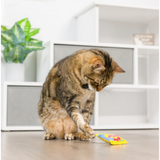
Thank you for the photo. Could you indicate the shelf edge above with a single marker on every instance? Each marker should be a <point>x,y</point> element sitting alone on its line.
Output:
<point>132,86</point>
<point>98,3</point>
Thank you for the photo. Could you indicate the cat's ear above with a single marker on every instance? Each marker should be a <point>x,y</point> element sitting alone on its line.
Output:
<point>117,68</point>
<point>98,66</point>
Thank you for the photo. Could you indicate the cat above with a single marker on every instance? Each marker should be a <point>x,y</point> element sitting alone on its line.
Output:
<point>67,98</point>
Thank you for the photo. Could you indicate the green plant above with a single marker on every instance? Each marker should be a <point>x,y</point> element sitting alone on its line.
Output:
<point>17,41</point>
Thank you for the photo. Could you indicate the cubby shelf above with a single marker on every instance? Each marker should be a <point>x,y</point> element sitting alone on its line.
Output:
<point>110,23</point>
<point>118,106</point>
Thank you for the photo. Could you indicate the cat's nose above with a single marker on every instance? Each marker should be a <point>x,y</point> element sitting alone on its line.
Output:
<point>99,88</point>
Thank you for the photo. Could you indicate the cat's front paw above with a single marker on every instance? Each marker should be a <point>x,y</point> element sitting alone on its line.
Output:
<point>89,131</point>
<point>48,136</point>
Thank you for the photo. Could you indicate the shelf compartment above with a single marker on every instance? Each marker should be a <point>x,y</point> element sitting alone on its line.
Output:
<point>128,13</point>
<point>111,31</point>
<point>120,55</point>
<point>148,67</point>
<point>116,24</point>
<point>20,106</point>
<point>128,106</point>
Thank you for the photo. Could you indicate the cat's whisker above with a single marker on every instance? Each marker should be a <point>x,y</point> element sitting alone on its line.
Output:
<point>107,93</point>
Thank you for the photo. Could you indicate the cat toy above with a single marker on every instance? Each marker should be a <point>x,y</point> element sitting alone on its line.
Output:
<point>111,138</point>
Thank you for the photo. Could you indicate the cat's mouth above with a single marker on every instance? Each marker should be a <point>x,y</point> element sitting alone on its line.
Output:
<point>95,88</point>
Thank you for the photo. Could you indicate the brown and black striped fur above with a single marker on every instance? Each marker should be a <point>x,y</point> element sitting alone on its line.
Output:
<point>68,94</point>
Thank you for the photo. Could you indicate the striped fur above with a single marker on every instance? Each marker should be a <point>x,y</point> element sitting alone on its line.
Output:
<point>66,104</point>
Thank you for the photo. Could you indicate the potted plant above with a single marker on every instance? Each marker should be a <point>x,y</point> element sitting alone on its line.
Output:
<point>18,44</point>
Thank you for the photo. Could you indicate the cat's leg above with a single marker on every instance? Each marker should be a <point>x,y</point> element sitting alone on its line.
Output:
<point>91,109</point>
<point>70,128</point>
<point>51,116</point>
<point>87,112</point>
<point>73,110</point>
<point>48,136</point>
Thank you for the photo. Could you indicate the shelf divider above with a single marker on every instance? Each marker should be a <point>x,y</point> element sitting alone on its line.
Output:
<point>135,68</point>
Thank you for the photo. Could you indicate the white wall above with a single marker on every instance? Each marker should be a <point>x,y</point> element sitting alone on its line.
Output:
<point>54,17</point>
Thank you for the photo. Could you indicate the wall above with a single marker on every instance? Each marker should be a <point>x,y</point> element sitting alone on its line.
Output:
<point>54,17</point>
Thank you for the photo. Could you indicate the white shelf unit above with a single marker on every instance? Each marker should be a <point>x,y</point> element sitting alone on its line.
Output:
<point>109,23</point>
<point>130,106</point>
<point>115,24</point>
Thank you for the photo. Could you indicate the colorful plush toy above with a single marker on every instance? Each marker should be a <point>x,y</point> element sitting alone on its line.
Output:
<point>111,138</point>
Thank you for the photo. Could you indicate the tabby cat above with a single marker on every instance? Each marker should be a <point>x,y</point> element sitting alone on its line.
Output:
<point>68,94</point>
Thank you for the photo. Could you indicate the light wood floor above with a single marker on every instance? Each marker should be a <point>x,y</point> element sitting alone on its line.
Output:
<point>143,145</point>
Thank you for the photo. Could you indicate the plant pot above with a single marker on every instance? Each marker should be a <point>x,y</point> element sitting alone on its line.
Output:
<point>14,72</point>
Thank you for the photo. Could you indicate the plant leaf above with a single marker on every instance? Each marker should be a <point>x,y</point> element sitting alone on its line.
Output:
<point>8,37</point>
<point>32,32</point>
<point>25,25</point>
<point>16,54</point>
<point>19,33</point>
<point>32,46</point>
<point>36,41</point>
<point>8,48</point>
<point>3,28</point>
<point>29,47</point>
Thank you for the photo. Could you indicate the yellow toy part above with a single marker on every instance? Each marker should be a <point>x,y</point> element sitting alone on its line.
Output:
<point>111,138</point>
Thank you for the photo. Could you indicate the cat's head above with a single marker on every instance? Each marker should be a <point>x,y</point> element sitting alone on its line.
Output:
<point>98,69</point>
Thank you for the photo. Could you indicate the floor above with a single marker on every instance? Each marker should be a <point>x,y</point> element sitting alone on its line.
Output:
<point>143,145</point>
